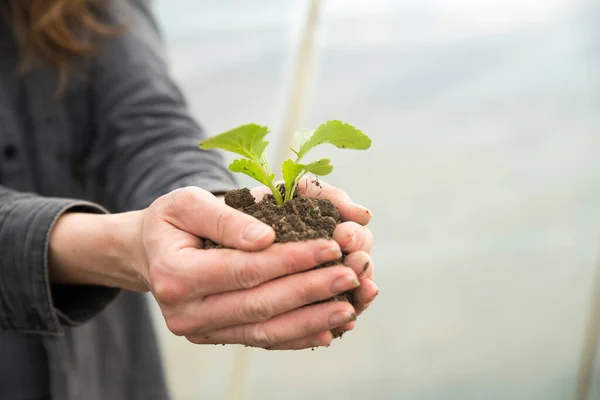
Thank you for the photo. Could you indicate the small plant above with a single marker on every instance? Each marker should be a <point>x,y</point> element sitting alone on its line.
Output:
<point>249,141</point>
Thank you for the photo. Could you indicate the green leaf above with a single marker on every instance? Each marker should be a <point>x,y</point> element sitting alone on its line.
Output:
<point>290,171</point>
<point>337,133</point>
<point>246,140</point>
<point>320,168</point>
<point>251,169</point>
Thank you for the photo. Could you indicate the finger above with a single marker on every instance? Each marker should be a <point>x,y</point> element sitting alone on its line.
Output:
<point>271,299</point>
<point>205,272</point>
<point>322,339</point>
<point>353,237</point>
<point>349,211</point>
<point>200,213</point>
<point>259,192</point>
<point>337,333</point>
<point>365,295</point>
<point>361,263</point>
<point>288,327</point>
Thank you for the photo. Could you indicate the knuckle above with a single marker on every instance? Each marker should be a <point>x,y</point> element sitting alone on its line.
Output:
<point>305,293</point>
<point>182,199</point>
<point>177,326</point>
<point>161,202</point>
<point>224,221</point>
<point>306,329</point>
<point>256,308</point>
<point>167,286</point>
<point>247,273</point>
<point>168,291</point>
<point>261,337</point>
<point>202,326</point>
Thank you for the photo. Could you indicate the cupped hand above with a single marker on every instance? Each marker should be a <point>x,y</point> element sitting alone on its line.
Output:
<point>254,292</point>
<point>353,237</point>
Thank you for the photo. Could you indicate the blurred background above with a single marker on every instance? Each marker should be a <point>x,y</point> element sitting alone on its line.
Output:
<point>484,181</point>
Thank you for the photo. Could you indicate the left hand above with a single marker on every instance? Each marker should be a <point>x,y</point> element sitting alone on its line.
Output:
<point>355,240</point>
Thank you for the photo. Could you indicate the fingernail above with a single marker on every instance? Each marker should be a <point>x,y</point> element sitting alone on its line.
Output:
<point>341,318</point>
<point>365,269</point>
<point>329,253</point>
<point>360,207</point>
<point>255,232</point>
<point>344,283</point>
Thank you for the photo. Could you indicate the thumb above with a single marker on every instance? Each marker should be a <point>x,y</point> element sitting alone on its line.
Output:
<point>200,213</point>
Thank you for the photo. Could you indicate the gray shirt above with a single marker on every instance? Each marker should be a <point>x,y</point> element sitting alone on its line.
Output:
<point>118,138</point>
<point>24,369</point>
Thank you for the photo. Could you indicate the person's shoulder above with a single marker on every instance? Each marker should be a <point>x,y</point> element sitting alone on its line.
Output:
<point>127,11</point>
<point>138,20</point>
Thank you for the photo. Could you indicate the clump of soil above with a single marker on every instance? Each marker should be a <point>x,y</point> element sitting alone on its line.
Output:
<point>301,218</point>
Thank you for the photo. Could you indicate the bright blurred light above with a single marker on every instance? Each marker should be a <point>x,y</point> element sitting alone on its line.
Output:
<point>435,21</point>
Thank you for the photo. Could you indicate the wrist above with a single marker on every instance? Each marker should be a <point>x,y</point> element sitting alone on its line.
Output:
<point>96,250</point>
<point>127,249</point>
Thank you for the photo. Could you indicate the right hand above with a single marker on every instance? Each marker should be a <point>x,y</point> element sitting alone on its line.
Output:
<point>252,293</point>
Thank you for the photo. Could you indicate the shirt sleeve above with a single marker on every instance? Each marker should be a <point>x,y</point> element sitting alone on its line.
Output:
<point>147,142</point>
<point>28,302</point>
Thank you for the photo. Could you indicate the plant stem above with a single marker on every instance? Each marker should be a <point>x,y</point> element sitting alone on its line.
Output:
<point>264,165</point>
<point>276,193</point>
<point>290,191</point>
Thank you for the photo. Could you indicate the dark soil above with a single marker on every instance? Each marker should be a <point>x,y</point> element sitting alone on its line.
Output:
<point>302,218</point>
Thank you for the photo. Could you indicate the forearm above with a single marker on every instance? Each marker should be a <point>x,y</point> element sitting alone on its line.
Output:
<point>88,249</point>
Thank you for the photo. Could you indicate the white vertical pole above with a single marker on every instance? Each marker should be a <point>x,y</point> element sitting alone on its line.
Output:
<point>294,113</point>
<point>300,83</point>
<point>589,349</point>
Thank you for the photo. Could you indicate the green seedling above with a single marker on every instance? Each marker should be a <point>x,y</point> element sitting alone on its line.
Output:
<point>249,142</point>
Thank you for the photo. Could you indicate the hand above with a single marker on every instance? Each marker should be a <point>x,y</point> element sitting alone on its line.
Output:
<point>354,238</point>
<point>251,294</point>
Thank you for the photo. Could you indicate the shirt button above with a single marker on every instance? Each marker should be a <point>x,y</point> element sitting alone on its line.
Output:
<point>10,151</point>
